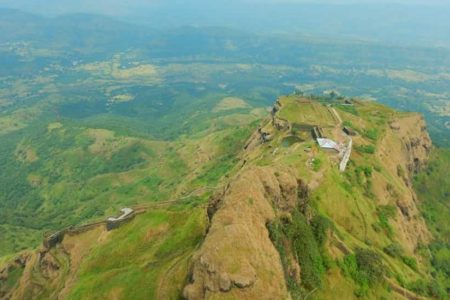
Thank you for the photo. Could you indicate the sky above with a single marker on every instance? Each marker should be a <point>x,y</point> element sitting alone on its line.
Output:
<point>423,22</point>
<point>117,7</point>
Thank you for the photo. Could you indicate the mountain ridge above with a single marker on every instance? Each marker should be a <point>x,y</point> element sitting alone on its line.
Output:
<point>286,196</point>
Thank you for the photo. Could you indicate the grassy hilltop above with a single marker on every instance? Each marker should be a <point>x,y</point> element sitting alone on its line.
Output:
<point>360,232</point>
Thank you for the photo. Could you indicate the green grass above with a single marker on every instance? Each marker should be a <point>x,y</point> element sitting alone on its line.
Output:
<point>317,164</point>
<point>76,178</point>
<point>433,188</point>
<point>13,277</point>
<point>368,149</point>
<point>385,213</point>
<point>312,113</point>
<point>141,255</point>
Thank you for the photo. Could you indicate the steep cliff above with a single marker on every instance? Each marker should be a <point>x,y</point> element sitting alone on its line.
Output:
<point>404,151</point>
<point>372,205</point>
<point>237,258</point>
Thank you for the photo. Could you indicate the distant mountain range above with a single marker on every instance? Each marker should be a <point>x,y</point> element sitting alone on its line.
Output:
<point>387,23</point>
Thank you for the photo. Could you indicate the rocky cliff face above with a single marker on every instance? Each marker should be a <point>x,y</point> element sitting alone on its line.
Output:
<point>237,258</point>
<point>415,142</point>
<point>404,151</point>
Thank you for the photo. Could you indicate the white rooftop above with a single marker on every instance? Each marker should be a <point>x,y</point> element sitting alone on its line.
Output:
<point>328,144</point>
<point>125,213</point>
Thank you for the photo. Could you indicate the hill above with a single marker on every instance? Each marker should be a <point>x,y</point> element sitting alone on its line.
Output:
<point>285,221</point>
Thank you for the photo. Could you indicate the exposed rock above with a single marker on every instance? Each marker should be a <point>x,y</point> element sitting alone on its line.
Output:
<point>224,282</point>
<point>214,204</point>
<point>21,261</point>
<point>237,256</point>
<point>303,195</point>
<point>403,208</point>
<point>408,146</point>
<point>280,124</point>
<point>244,281</point>
<point>394,125</point>
<point>3,276</point>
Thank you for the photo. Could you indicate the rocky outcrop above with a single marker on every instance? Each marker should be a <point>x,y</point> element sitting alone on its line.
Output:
<point>280,124</point>
<point>237,259</point>
<point>404,151</point>
<point>416,143</point>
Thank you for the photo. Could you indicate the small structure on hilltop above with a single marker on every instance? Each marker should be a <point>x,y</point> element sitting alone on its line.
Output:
<point>52,240</point>
<point>349,131</point>
<point>348,102</point>
<point>328,144</point>
<point>264,136</point>
<point>317,132</point>
<point>113,223</point>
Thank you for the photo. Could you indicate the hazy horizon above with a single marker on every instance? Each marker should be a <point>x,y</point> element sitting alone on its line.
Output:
<point>419,23</point>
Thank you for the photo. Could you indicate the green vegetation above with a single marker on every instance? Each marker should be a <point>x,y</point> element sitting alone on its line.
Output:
<point>365,267</point>
<point>66,172</point>
<point>385,213</point>
<point>89,128</point>
<point>433,188</point>
<point>317,163</point>
<point>150,253</point>
<point>307,245</point>
<point>312,113</point>
<point>410,262</point>
<point>430,289</point>
<point>350,109</point>
<point>347,123</point>
<point>320,226</point>
<point>394,250</point>
<point>371,134</point>
<point>361,177</point>
<point>369,149</point>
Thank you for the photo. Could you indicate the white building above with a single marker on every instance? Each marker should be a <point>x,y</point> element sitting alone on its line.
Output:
<point>328,144</point>
<point>125,213</point>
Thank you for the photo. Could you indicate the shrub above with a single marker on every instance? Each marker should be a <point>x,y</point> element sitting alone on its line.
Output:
<point>431,288</point>
<point>410,262</point>
<point>419,286</point>
<point>320,226</point>
<point>307,251</point>
<point>348,108</point>
<point>349,267</point>
<point>394,250</point>
<point>317,163</point>
<point>369,149</point>
<point>347,123</point>
<point>304,245</point>
<point>371,134</point>
<point>441,257</point>
<point>370,264</point>
<point>386,212</point>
